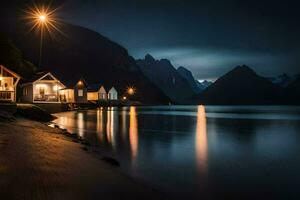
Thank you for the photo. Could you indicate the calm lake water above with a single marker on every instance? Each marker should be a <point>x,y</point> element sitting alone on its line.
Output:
<point>200,152</point>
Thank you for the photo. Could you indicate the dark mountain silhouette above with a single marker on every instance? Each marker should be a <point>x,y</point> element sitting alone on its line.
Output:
<point>163,74</point>
<point>282,80</point>
<point>195,85</point>
<point>81,52</point>
<point>292,92</point>
<point>241,86</point>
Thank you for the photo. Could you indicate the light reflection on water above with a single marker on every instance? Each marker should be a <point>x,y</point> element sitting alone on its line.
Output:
<point>201,140</point>
<point>133,133</point>
<point>80,124</point>
<point>192,151</point>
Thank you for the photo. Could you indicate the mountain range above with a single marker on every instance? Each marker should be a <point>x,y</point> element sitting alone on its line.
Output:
<point>178,84</point>
<point>283,80</point>
<point>241,86</point>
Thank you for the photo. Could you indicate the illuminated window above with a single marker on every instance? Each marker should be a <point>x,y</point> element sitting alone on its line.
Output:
<point>80,93</point>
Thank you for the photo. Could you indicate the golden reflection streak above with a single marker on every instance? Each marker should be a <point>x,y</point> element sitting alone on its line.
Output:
<point>80,124</point>
<point>111,126</point>
<point>201,140</point>
<point>124,124</point>
<point>100,124</point>
<point>108,126</point>
<point>133,132</point>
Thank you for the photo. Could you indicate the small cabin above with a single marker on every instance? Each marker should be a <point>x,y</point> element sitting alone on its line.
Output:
<point>8,84</point>
<point>97,92</point>
<point>75,93</point>
<point>102,94</point>
<point>44,87</point>
<point>81,91</point>
<point>112,94</point>
<point>93,92</point>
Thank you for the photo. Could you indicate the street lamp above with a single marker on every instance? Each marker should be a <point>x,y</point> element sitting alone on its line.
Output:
<point>42,18</point>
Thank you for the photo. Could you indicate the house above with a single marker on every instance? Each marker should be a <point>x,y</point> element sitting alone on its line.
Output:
<point>77,93</point>
<point>102,94</point>
<point>112,94</point>
<point>66,95</point>
<point>97,92</point>
<point>93,92</point>
<point>44,87</point>
<point>80,91</point>
<point>8,84</point>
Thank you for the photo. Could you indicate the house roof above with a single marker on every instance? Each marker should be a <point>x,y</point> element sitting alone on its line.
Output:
<point>97,87</point>
<point>43,75</point>
<point>94,87</point>
<point>102,89</point>
<point>36,76</point>
<point>72,84</point>
<point>9,71</point>
<point>16,77</point>
<point>113,90</point>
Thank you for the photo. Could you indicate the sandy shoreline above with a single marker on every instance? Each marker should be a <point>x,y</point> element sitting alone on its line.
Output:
<point>38,163</point>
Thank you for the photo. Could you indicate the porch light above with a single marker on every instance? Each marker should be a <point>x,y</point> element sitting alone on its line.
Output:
<point>131,90</point>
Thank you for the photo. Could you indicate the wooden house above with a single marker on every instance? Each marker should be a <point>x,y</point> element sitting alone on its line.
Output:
<point>77,93</point>
<point>97,92</point>
<point>102,94</point>
<point>8,84</point>
<point>44,87</point>
<point>80,91</point>
<point>112,94</point>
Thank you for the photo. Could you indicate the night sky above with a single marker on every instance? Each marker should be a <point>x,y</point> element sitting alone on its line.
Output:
<point>207,37</point>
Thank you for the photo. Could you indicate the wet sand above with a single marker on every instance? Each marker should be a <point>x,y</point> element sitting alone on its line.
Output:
<point>38,163</point>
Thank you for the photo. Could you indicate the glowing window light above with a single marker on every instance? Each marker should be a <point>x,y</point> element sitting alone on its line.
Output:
<point>57,87</point>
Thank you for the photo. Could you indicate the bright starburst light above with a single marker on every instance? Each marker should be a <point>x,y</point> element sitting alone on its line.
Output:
<point>42,17</point>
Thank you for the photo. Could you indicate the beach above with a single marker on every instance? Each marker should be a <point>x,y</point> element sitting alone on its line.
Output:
<point>37,162</point>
